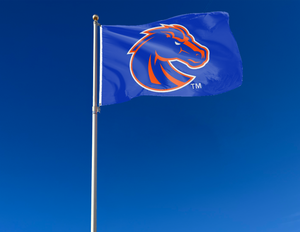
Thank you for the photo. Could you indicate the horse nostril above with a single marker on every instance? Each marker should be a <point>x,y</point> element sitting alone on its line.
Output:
<point>200,54</point>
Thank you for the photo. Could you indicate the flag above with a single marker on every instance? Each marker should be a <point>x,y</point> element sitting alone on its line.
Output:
<point>187,55</point>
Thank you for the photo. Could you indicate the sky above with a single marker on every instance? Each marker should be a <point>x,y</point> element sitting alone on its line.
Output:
<point>224,163</point>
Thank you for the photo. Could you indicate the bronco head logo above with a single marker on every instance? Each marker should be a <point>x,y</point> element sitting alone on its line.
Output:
<point>152,56</point>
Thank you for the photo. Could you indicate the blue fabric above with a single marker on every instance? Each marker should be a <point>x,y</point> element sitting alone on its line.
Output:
<point>187,55</point>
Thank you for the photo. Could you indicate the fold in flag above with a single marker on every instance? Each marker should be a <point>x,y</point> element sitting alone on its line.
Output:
<point>187,55</point>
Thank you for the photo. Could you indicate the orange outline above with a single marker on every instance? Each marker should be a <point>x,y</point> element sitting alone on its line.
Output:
<point>172,79</point>
<point>185,40</point>
<point>153,78</point>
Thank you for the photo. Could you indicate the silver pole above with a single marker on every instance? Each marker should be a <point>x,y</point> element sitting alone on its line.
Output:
<point>94,130</point>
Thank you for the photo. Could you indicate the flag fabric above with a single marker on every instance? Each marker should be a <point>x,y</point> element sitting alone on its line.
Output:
<point>187,55</point>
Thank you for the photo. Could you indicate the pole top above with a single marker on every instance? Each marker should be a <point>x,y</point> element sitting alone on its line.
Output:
<point>95,17</point>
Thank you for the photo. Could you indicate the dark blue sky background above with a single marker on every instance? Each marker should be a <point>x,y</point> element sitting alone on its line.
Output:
<point>225,163</point>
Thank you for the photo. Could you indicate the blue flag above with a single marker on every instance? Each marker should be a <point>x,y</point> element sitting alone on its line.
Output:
<point>187,55</point>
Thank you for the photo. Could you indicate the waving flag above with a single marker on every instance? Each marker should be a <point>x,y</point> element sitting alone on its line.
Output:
<point>187,55</point>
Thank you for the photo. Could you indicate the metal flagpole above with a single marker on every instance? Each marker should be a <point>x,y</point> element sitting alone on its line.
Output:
<point>95,110</point>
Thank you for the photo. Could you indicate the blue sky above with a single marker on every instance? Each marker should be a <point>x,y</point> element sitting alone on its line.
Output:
<point>225,163</point>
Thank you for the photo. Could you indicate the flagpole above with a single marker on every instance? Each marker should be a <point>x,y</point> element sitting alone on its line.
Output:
<point>95,110</point>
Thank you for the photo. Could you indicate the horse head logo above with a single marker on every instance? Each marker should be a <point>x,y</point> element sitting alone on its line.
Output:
<point>151,64</point>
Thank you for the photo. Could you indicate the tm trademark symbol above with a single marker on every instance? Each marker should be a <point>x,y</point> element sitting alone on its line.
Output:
<point>196,85</point>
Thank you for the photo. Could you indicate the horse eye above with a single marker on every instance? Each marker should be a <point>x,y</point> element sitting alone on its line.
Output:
<point>177,43</point>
